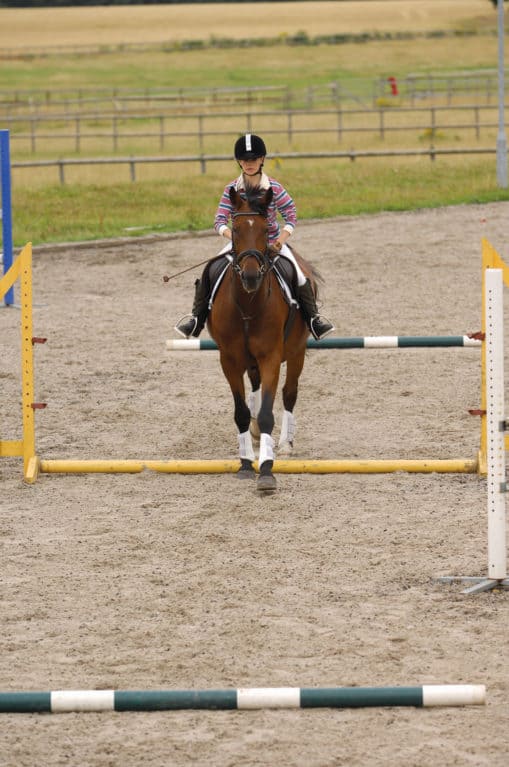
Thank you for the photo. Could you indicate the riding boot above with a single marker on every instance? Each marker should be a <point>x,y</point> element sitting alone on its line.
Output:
<point>319,326</point>
<point>192,324</point>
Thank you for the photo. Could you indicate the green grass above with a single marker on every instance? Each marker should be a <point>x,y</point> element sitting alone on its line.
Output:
<point>83,212</point>
<point>45,212</point>
<point>296,67</point>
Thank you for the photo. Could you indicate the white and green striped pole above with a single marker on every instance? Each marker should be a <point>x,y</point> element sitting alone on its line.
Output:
<point>355,342</point>
<point>66,701</point>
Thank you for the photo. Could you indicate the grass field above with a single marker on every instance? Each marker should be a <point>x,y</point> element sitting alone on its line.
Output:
<point>276,65</point>
<point>185,199</point>
<point>107,25</point>
<point>87,211</point>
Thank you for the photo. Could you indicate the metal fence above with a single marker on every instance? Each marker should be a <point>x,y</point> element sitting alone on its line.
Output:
<point>123,100</point>
<point>480,87</point>
<point>133,162</point>
<point>477,86</point>
<point>39,133</point>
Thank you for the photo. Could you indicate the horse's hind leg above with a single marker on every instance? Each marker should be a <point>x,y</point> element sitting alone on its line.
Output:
<point>290,389</point>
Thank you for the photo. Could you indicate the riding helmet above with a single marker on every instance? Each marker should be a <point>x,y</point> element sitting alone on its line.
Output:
<point>249,147</point>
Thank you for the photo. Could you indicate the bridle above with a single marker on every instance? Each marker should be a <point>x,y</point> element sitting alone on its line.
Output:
<point>265,263</point>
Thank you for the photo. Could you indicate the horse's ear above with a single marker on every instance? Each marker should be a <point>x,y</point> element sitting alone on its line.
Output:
<point>234,197</point>
<point>266,197</point>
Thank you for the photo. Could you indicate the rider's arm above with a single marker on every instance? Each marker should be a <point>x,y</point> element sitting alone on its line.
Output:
<point>286,208</point>
<point>223,214</point>
<point>225,232</point>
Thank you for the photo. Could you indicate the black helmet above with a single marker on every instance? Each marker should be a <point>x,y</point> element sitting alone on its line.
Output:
<point>249,147</point>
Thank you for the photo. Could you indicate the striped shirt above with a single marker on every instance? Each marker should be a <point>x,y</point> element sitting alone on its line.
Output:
<point>281,203</point>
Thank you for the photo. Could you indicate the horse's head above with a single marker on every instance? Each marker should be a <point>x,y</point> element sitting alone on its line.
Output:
<point>250,236</point>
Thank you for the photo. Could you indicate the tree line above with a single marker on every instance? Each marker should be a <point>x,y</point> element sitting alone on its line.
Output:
<point>76,3</point>
<point>68,4</point>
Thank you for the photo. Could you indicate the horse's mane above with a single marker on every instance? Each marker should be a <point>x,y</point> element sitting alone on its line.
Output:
<point>254,197</point>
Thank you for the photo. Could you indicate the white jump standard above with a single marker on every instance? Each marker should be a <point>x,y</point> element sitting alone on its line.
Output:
<point>496,427</point>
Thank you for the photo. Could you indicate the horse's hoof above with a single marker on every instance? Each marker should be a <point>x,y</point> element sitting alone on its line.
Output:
<point>266,483</point>
<point>246,474</point>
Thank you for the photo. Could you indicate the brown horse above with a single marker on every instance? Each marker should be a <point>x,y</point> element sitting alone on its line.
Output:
<point>256,329</point>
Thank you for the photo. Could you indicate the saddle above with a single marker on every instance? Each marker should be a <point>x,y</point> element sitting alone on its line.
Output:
<point>283,269</point>
<point>287,275</point>
<point>215,271</point>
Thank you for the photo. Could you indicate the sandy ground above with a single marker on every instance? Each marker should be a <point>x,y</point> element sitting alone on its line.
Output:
<point>165,581</point>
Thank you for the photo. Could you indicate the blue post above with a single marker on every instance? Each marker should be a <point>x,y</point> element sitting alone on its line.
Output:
<point>6,210</point>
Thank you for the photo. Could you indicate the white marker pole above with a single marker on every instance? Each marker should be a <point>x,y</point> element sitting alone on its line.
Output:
<point>495,416</point>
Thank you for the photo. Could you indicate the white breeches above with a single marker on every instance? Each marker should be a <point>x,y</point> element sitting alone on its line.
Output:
<point>285,251</point>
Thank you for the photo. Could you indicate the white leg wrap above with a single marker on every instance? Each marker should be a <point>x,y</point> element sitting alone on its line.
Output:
<point>254,402</point>
<point>287,428</point>
<point>246,446</point>
<point>266,449</point>
<point>287,253</point>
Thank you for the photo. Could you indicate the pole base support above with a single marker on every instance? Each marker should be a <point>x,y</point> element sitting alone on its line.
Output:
<point>478,583</point>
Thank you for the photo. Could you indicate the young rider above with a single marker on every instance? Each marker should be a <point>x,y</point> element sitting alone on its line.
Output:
<point>250,154</point>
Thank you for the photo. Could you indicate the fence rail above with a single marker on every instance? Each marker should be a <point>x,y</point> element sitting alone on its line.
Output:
<point>481,86</point>
<point>120,100</point>
<point>339,123</point>
<point>133,162</point>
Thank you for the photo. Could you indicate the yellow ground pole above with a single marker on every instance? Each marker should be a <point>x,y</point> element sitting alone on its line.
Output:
<point>291,466</point>
<point>490,260</point>
<point>22,269</point>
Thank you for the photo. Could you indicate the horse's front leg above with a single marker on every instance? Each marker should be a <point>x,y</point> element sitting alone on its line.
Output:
<point>254,400</point>
<point>269,374</point>
<point>242,417</point>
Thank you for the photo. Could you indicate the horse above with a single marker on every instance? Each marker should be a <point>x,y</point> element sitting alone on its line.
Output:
<point>256,329</point>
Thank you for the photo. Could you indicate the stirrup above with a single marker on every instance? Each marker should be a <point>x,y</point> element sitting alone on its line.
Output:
<point>186,325</point>
<point>323,327</point>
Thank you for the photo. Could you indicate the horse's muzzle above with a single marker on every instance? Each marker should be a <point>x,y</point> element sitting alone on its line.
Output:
<point>251,272</point>
<point>251,280</point>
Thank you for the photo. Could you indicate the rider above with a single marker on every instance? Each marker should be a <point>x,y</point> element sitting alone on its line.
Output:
<point>250,154</point>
